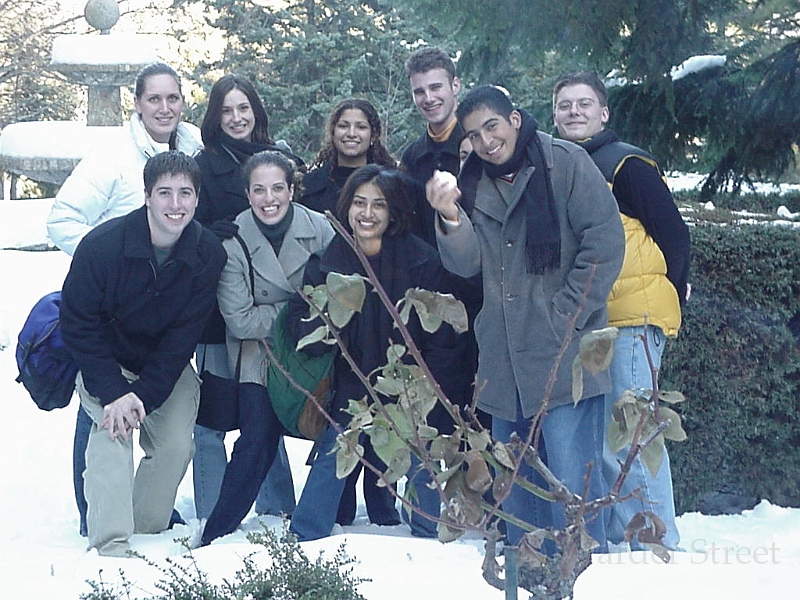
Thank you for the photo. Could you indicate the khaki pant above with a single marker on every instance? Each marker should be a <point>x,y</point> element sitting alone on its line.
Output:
<point>121,503</point>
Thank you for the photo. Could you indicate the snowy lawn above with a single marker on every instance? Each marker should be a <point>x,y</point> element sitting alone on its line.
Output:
<point>753,556</point>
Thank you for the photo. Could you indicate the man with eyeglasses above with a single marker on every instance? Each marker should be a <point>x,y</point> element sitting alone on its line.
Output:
<point>651,288</point>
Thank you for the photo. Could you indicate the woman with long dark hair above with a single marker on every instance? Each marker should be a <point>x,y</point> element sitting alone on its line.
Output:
<point>235,127</point>
<point>352,139</point>
<point>375,209</point>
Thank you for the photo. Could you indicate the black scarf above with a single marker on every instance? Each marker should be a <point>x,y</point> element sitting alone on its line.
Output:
<point>277,231</point>
<point>367,333</point>
<point>543,236</point>
<point>241,150</point>
<point>598,140</point>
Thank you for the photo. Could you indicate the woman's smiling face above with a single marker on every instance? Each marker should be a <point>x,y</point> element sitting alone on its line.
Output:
<point>160,106</point>
<point>237,118</point>
<point>352,136</point>
<point>368,217</point>
<point>269,193</point>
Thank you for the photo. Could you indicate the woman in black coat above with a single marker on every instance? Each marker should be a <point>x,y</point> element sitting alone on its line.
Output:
<point>234,128</point>
<point>352,139</point>
<point>374,207</point>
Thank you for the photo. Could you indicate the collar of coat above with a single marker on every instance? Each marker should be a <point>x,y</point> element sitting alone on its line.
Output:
<point>186,138</point>
<point>449,146</point>
<point>609,154</point>
<point>408,252</point>
<point>138,244</point>
<point>293,255</point>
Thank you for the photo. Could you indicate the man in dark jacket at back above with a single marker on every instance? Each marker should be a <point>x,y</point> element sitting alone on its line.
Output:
<point>435,87</point>
<point>134,303</point>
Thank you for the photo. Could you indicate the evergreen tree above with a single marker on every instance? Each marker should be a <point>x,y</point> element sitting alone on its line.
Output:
<point>735,122</point>
<point>29,90</point>
<point>738,123</point>
<point>643,39</point>
<point>308,55</point>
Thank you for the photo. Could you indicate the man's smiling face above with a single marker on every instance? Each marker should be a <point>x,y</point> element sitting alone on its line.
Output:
<point>577,112</point>
<point>170,207</point>
<point>493,136</point>
<point>435,96</point>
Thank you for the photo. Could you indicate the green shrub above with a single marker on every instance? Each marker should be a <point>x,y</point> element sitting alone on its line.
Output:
<point>290,576</point>
<point>739,367</point>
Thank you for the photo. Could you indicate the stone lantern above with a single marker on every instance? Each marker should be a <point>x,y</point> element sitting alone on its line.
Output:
<point>104,62</point>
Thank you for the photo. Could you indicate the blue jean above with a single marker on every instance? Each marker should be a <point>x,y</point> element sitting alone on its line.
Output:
<point>317,508</point>
<point>572,436</point>
<point>427,500</point>
<point>83,427</point>
<point>252,456</point>
<point>276,495</point>
<point>315,514</point>
<point>380,501</point>
<point>630,371</point>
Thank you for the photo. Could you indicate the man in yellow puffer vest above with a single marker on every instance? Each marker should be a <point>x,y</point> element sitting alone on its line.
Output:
<point>652,285</point>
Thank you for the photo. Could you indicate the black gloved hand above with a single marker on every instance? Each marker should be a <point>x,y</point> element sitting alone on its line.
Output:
<point>224,229</point>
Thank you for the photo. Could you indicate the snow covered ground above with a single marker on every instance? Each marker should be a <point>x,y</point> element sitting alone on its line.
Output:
<point>751,556</point>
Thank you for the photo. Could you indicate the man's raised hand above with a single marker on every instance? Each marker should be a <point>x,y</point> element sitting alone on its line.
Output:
<point>443,194</point>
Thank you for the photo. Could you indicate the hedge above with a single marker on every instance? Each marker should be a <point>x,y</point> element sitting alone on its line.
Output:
<point>738,364</point>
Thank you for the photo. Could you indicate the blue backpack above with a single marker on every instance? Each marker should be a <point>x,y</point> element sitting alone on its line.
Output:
<point>46,368</point>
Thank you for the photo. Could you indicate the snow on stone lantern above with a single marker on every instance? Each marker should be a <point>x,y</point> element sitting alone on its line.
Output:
<point>104,62</point>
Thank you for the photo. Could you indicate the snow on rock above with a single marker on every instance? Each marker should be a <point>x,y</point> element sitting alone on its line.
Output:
<point>55,139</point>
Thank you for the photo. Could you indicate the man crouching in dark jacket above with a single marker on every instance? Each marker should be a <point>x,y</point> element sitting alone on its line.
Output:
<point>134,303</point>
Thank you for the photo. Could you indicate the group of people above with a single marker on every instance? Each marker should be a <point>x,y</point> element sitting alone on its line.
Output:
<point>187,244</point>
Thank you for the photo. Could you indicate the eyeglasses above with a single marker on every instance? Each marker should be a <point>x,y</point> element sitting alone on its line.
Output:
<point>581,103</point>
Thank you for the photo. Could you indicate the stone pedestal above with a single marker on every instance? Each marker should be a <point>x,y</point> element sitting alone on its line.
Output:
<point>104,105</point>
<point>104,63</point>
<point>104,82</point>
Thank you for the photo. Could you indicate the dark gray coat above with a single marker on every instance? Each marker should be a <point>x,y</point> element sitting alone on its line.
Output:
<point>526,319</point>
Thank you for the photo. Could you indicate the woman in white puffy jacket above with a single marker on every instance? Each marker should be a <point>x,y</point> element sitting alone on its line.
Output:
<point>109,183</point>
